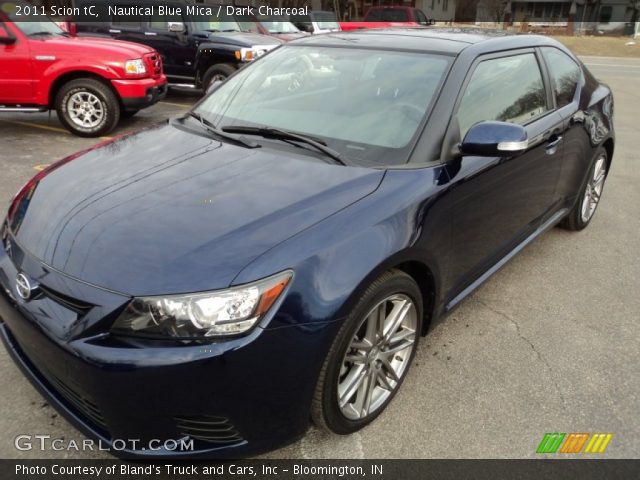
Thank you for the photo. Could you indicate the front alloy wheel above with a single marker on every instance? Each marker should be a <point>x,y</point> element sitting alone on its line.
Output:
<point>370,356</point>
<point>377,357</point>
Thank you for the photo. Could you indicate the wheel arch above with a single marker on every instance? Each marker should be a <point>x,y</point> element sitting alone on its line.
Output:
<point>60,81</point>
<point>420,270</point>
<point>608,145</point>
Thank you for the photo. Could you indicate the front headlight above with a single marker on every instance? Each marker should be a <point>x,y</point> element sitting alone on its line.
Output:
<point>201,315</point>
<point>135,67</point>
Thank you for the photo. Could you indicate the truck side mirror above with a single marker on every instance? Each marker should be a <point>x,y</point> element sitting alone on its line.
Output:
<point>176,27</point>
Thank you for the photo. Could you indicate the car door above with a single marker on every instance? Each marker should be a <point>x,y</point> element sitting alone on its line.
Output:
<point>16,68</point>
<point>498,202</point>
<point>567,82</point>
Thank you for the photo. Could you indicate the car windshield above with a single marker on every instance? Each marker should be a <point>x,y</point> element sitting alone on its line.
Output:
<point>365,104</point>
<point>276,24</point>
<point>218,23</point>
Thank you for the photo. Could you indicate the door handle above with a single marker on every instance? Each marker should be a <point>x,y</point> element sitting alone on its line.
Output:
<point>151,34</point>
<point>552,146</point>
<point>113,30</point>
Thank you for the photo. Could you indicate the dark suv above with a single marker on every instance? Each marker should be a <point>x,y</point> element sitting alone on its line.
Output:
<point>195,50</point>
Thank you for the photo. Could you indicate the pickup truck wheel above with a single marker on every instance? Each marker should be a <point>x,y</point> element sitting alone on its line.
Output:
<point>87,107</point>
<point>216,73</point>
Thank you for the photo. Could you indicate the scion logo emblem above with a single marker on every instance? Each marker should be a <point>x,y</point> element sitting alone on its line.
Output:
<point>23,287</point>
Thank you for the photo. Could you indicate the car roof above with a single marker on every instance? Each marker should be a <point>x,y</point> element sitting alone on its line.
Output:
<point>442,40</point>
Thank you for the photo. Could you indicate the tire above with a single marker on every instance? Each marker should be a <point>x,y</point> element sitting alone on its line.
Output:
<point>219,71</point>
<point>390,289</point>
<point>89,93</point>
<point>579,217</point>
<point>128,113</point>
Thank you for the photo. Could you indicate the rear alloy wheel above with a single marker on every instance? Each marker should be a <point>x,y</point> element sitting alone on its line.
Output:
<point>370,356</point>
<point>593,190</point>
<point>589,196</point>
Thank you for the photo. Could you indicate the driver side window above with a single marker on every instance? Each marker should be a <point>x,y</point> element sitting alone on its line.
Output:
<point>507,89</point>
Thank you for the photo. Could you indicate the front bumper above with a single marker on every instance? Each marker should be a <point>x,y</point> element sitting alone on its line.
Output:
<point>233,398</point>
<point>136,94</point>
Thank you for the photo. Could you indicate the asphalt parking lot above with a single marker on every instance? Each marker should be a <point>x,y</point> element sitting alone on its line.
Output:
<point>549,344</point>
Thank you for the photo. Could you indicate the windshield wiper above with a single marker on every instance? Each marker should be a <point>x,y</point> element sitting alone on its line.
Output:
<point>268,132</point>
<point>211,128</point>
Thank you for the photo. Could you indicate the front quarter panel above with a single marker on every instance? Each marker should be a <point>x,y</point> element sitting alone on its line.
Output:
<point>334,261</point>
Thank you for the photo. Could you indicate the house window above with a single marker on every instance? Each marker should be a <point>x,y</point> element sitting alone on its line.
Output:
<point>605,13</point>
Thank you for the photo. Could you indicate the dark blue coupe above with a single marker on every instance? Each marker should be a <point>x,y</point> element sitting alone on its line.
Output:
<point>274,255</point>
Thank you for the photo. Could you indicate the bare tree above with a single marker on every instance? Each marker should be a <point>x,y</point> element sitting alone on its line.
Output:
<point>496,8</point>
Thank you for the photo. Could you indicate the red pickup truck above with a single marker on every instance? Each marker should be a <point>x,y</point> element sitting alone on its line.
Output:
<point>389,16</point>
<point>90,82</point>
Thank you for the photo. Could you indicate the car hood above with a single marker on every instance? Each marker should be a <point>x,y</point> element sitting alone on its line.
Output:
<point>93,47</point>
<point>170,211</point>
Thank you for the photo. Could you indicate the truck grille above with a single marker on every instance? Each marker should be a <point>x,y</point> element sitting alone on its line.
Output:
<point>154,64</point>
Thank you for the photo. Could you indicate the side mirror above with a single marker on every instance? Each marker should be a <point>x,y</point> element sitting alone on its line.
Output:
<point>213,86</point>
<point>176,27</point>
<point>494,139</point>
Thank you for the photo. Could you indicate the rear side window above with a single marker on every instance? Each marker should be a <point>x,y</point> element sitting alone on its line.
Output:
<point>507,89</point>
<point>565,75</point>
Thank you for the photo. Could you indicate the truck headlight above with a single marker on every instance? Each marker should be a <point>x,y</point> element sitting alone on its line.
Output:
<point>245,54</point>
<point>135,67</point>
<point>202,315</point>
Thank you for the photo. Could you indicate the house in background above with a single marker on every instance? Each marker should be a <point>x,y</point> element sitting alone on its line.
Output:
<point>604,16</point>
<point>438,10</point>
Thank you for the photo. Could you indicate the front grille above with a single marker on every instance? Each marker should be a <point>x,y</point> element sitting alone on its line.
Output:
<point>210,429</point>
<point>83,404</point>
<point>77,306</point>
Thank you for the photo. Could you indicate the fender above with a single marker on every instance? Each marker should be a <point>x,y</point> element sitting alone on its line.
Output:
<point>63,67</point>
<point>380,231</point>
<point>211,53</point>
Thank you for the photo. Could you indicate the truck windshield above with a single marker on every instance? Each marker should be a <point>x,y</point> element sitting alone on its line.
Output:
<point>366,105</point>
<point>218,23</point>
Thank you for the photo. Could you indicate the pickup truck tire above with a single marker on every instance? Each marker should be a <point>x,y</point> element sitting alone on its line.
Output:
<point>87,107</point>
<point>216,72</point>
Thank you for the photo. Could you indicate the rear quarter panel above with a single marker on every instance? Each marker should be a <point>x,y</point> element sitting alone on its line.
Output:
<point>588,125</point>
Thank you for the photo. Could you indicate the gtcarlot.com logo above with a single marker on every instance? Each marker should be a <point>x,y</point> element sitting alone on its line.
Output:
<point>574,443</point>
